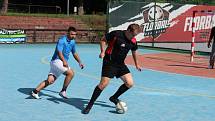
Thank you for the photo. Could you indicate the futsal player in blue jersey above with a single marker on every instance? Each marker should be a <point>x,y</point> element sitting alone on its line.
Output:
<point>59,63</point>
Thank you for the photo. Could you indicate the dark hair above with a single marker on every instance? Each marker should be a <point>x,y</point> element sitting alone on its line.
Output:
<point>133,27</point>
<point>71,28</point>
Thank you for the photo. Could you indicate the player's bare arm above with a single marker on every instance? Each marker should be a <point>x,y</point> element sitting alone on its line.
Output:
<point>102,47</point>
<point>135,58</point>
<point>77,58</point>
<point>65,64</point>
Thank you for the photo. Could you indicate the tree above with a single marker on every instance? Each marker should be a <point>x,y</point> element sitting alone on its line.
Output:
<point>4,7</point>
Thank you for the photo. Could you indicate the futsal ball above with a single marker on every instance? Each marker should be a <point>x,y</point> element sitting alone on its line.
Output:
<point>121,107</point>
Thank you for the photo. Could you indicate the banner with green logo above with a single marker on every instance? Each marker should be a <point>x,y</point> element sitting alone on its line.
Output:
<point>12,36</point>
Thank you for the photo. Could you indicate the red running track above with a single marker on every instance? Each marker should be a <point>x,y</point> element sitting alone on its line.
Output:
<point>175,63</point>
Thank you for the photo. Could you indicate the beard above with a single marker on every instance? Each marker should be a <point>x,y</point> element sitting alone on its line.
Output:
<point>72,38</point>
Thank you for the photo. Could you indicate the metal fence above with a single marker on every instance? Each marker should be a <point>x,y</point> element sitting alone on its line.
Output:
<point>29,8</point>
<point>52,35</point>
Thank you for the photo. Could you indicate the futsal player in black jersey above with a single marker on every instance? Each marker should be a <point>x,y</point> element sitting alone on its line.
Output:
<point>212,53</point>
<point>119,43</point>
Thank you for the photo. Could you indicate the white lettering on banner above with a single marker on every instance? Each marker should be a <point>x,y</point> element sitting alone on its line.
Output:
<point>11,32</point>
<point>213,21</point>
<point>187,23</point>
<point>196,22</point>
<point>158,25</point>
<point>208,22</point>
<point>201,22</point>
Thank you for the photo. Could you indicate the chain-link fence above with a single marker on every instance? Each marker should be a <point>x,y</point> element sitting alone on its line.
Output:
<point>29,8</point>
<point>52,35</point>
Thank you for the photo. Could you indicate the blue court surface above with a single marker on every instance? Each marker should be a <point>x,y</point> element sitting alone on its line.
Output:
<point>156,96</point>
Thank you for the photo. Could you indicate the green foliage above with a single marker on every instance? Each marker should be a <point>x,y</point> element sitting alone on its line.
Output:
<point>94,21</point>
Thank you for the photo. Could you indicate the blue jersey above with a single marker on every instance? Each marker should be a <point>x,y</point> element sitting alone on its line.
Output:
<point>65,46</point>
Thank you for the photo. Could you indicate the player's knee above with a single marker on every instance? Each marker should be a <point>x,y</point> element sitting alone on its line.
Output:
<point>102,85</point>
<point>104,82</point>
<point>129,84</point>
<point>49,82</point>
<point>70,73</point>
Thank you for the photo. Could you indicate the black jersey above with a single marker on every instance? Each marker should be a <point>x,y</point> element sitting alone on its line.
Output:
<point>118,47</point>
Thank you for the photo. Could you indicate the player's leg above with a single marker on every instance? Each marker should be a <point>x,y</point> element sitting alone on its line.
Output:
<point>128,83</point>
<point>212,57</point>
<point>108,72</point>
<point>69,76</point>
<point>57,69</point>
<point>125,75</point>
<point>211,66</point>
<point>42,85</point>
<point>97,91</point>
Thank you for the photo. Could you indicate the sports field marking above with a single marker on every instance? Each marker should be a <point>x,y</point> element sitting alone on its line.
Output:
<point>44,60</point>
<point>149,89</point>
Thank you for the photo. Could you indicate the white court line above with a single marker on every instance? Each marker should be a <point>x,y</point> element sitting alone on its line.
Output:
<point>169,91</point>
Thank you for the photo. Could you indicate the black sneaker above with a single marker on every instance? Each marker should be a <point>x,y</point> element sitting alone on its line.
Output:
<point>114,100</point>
<point>85,111</point>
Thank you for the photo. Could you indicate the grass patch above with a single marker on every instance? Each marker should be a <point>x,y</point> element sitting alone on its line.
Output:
<point>93,21</point>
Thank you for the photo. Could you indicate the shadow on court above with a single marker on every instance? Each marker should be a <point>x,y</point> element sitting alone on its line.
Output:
<point>78,103</point>
<point>114,112</point>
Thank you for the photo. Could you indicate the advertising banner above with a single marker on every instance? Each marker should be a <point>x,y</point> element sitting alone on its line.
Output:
<point>163,22</point>
<point>12,36</point>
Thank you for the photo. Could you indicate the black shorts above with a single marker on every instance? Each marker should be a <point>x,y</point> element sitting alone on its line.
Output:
<point>110,70</point>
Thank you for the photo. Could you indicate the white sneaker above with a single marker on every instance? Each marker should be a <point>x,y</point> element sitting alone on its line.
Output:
<point>63,94</point>
<point>34,95</point>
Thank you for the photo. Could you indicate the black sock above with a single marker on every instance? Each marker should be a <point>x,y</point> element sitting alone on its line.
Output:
<point>123,88</point>
<point>97,91</point>
<point>63,89</point>
<point>35,91</point>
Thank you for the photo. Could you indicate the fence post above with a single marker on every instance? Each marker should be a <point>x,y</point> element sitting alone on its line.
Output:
<point>54,37</point>
<point>193,37</point>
